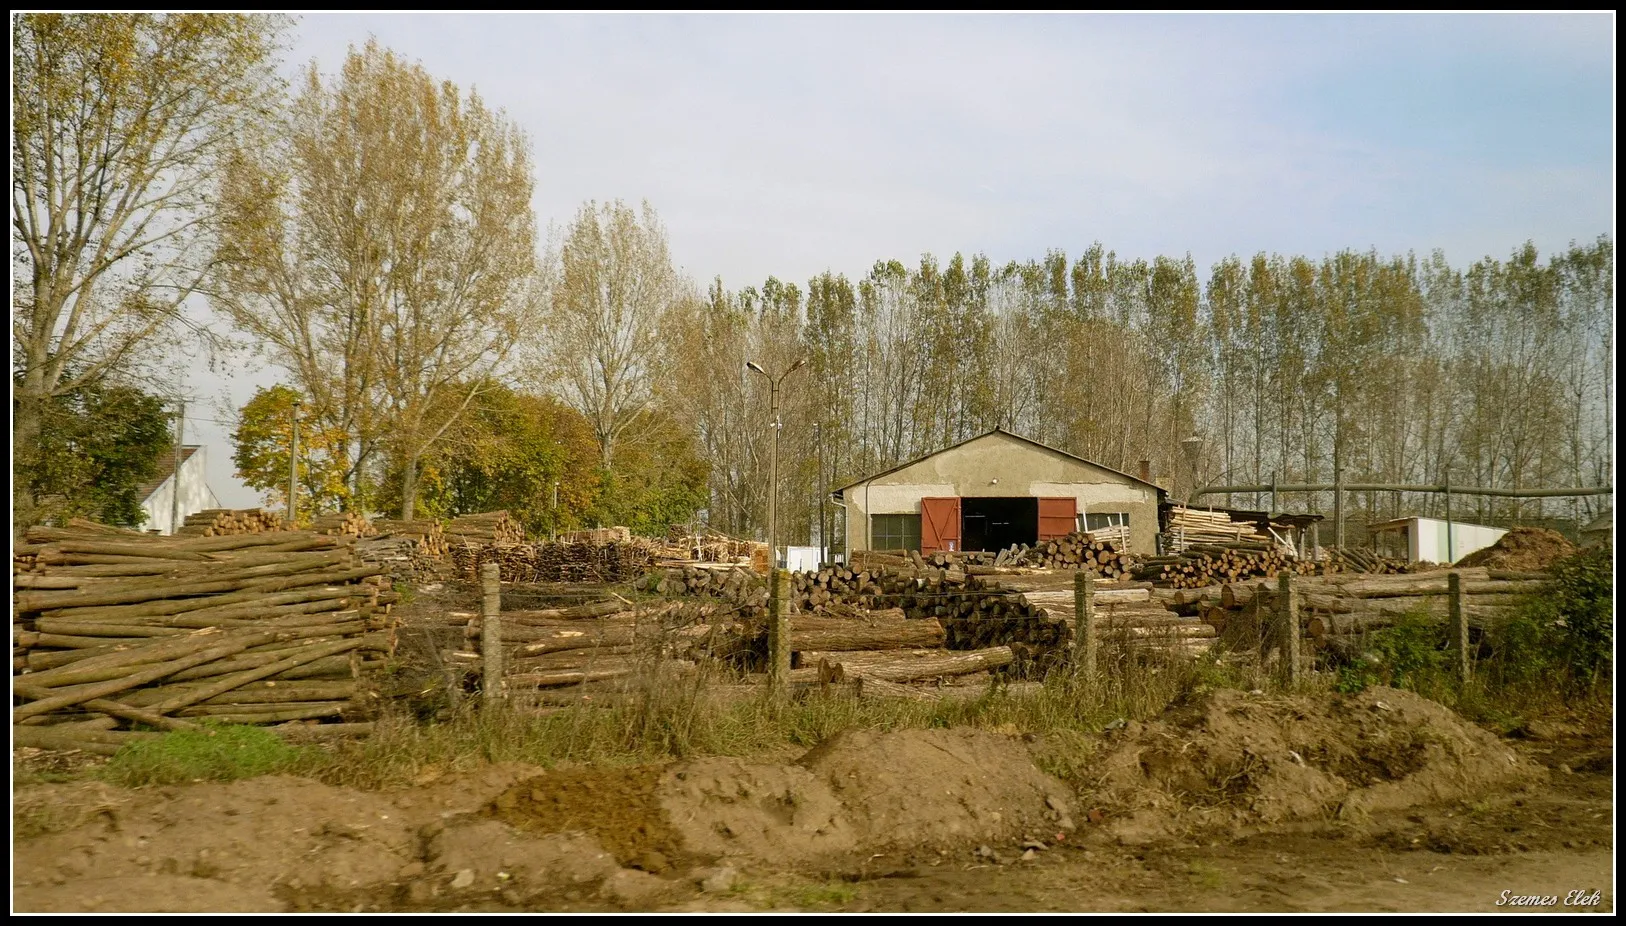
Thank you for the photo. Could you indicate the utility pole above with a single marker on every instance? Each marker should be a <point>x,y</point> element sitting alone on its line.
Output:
<point>824,536</point>
<point>175,477</point>
<point>773,464</point>
<point>293,470</point>
<point>553,513</point>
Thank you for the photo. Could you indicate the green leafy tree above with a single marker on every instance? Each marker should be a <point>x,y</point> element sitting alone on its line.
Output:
<point>261,441</point>
<point>99,444</point>
<point>658,482</point>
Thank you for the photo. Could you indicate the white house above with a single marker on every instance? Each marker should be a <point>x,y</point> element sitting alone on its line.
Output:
<point>157,497</point>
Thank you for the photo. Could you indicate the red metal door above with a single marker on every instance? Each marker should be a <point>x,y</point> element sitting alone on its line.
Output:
<point>939,524</point>
<point>1058,517</point>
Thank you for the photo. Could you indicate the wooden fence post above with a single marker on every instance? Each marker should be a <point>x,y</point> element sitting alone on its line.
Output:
<point>1287,602</point>
<point>1459,624</point>
<point>778,631</point>
<point>1084,641</point>
<point>491,686</point>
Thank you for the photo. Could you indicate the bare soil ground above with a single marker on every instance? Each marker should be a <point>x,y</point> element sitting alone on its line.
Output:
<point>1233,802</point>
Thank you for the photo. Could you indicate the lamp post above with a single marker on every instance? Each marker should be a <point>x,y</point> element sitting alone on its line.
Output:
<point>773,465</point>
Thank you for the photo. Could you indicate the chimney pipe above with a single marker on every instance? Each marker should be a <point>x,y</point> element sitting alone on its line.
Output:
<point>1146,471</point>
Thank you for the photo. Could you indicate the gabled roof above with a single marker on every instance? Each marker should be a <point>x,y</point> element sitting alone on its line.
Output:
<point>1025,440</point>
<point>166,468</point>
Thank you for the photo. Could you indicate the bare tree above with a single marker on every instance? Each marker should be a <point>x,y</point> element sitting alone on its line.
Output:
<point>387,255</point>
<point>119,123</point>
<point>612,283</point>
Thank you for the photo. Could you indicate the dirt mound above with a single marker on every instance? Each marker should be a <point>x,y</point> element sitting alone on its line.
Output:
<point>1528,549</point>
<point>621,807</point>
<point>1237,760</point>
<point>928,788</point>
<point>735,808</point>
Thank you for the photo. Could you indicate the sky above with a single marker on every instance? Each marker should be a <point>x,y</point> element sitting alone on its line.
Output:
<point>788,145</point>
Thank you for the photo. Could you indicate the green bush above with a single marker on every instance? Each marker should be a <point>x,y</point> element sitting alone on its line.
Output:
<point>1565,636</point>
<point>217,752</point>
<point>1410,654</point>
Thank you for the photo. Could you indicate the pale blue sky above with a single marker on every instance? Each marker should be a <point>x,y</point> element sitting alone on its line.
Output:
<point>792,144</point>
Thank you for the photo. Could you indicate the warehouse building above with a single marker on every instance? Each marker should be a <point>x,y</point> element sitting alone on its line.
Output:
<point>993,491</point>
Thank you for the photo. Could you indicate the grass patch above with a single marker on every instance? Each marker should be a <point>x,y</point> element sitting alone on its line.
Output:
<point>821,895</point>
<point>216,753</point>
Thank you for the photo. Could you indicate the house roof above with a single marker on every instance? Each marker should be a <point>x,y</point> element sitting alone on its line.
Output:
<point>1026,440</point>
<point>166,468</point>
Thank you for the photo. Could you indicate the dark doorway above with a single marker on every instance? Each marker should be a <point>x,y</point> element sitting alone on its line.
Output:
<point>996,523</point>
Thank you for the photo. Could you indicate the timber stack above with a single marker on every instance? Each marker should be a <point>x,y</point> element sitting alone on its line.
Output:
<point>344,524</point>
<point>426,535</point>
<point>1188,527</point>
<point>611,561</point>
<point>228,522</point>
<point>1340,609</point>
<point>549,654</point>
<point>1133,614</point>
<point>113,628</point>
<point>1202,565</point>
<point>490,527</point>
<point>1100,552</point>
<point>711,548</point>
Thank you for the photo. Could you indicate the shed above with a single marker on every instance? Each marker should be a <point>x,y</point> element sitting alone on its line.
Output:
<point>993,491</point>
<point>1430,540</point>
<point>158,494</point>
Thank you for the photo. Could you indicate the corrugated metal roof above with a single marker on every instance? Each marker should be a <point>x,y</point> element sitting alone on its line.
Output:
<point>166,468</point>
<point>1026,440</point>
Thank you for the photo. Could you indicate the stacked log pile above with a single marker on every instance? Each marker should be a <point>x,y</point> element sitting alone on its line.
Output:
<point>1133,614</point>
<point>597,535</point>
<point>973,612</point>
<point>111,629</point>
<point>711,548</point>
<point>428,537</point>
<point>1350,559</point>
<point>1341,606</point>
<point>490,527</point>
<point>344,524</point>
<point>228,522</point>
<point>612,561</point>
<point>1187,527</point>
<point>1101,552</point>
<point>599,641</point>
<point>1201,565</point>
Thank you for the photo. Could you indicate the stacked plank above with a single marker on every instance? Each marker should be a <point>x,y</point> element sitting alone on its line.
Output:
<point>344,524</point>
<point>490,527</point>
<point>426,535</point>
<point>597,535</point>
<point>110,630</point>
<point>1186,527</point>
<point>228,522</point>
<point>1341,607</point>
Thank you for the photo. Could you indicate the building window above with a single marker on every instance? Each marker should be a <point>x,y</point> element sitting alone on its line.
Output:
<point>1097,521</point>
<point>894,531</point>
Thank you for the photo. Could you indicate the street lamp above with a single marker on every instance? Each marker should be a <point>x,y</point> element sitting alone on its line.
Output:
<point>773,466</point>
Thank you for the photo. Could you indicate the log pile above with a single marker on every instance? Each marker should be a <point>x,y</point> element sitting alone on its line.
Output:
<point>344,524</point>
<point>598,535</point>
<point>1133,615</point>
<point>711,548</point>
<point>490,527</point>
<point>112,629</point>
<point>600,641</point>
<point>611,561</point>
<point>228,522</point>
<point>1351,559</point>
<point>427,535</point>
<point>1201,565</point>
<point>1350,605</point>
<point>1101,552</point>
<point>1186,527</point>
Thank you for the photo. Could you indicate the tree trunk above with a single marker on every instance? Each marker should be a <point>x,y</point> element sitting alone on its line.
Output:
<point>409,487</point>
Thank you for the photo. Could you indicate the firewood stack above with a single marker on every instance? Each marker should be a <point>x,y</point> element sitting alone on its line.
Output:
<point>490,527</point>
<point>344,524</point>
<point>1339,609</point>
<point>1101,552</point>
<point>227,522</point>
<point>1214,564</point>
<point>112,629</point>
<point>711,548</point>
<point>1133,614</point>
<point>610,561</point>
<point>427,535</point>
